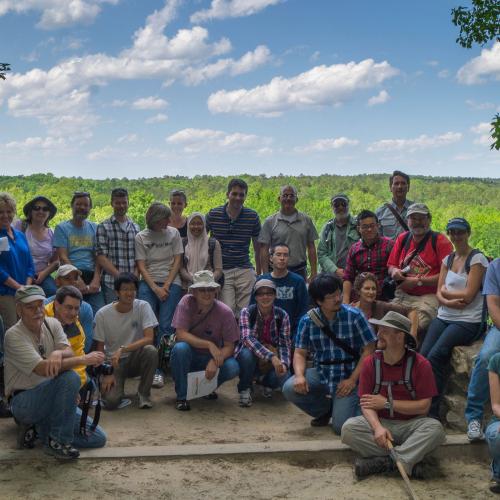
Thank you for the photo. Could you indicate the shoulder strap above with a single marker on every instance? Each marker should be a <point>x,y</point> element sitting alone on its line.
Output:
<point>451,258</point>
<point>211,250</point>
<point>377,363</point>
<point>410,362</point>
<point>474,251</point>
<point>252,315</point>
<point>46,323</point>
<point>434,237</point>
<point>396,214</point>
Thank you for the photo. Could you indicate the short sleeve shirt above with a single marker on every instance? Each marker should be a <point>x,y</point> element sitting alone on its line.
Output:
<point>79,242</point>
<point>494,366</point>
<point>389,225</point>
<point>492,279</point>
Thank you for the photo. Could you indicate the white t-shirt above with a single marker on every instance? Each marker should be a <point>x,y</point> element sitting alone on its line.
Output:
<point>456,282</point>
<point>157,249</point>
<point>116,329</point>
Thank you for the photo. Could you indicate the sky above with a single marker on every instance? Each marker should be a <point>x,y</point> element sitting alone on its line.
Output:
<point>146,88</point>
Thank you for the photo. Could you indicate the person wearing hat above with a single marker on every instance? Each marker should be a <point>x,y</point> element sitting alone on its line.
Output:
<point>415,263</point>
<point>265,346</point>
<point>206,334</point>
<point>394,404</point>
<point>393,216</point>
<point>337,237</point>
<point>460,314</point>
<point>38,212</point>
<point>39,376</point>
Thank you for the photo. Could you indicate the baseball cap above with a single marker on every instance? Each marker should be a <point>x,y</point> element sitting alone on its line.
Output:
<point>29,293</point>
<point>418,208</point>
<point>66,269</point>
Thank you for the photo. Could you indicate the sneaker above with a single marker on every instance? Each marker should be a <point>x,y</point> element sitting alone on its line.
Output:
<point>26,436</point>
<point>495,486</point>
<point>158,381</point>
<point>212,396</point>
<point>364,467</point>
<point>245,398</point>
<point>144,402</point>
<point>182,405</point>
<point>474,431</point>
<point>322,420</point>
<point>62,451</point>
<point>123,403</point>
<point>267,392</point>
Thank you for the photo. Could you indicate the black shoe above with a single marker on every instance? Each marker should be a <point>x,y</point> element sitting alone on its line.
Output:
<point>495,486</point>
<point>4,410</point>
<point>62,451</point>
<point>211,397</point>
<point>26,436</point>
<point>322,420</point>
<point>364,467</point>
<point>182,405</point>
<point>418,471</point>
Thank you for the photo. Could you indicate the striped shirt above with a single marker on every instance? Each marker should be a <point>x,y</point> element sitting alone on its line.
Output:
<point>349,325</point>
<point>118,245</point>
<point>234,235</point>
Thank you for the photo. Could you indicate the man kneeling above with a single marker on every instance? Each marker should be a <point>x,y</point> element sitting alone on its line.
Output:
<point>396,388</point>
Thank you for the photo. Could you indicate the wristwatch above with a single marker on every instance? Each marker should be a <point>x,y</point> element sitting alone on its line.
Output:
<point>123,348</point>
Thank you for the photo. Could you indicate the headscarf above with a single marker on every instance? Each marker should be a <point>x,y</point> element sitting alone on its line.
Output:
<point>196,251</point>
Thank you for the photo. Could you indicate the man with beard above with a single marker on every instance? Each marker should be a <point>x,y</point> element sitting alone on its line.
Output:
<point>337,236</point>
<point>75,241</point>
<point>393,216</point>
<point>115,246</point>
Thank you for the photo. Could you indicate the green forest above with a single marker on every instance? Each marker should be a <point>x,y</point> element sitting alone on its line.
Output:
<point>478,200</point>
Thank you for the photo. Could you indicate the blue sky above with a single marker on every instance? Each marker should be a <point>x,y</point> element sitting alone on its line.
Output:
<point>128,88</point>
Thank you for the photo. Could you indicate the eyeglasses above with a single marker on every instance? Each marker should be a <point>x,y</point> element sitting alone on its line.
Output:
<point>264,294</point>
<point>368,227</point>
<point>37,208</point>
<point>338,204</point>
<point>289,196</point>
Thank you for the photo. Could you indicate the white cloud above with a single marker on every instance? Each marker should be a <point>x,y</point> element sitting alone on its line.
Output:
<point>418,143</point>
<point>483,130</point>
<point>320,86</point>
<point>119,103</point>
<point>57,13</point>
<point>321,145</point>
<point>32,143</point>
<point>481,106</point>
<point>159,118</point>
<point>478,69</point>
<point>315,56</point>
<point>221,9</point>
<point>380,98</point>
<point>444,73</point>
<point>196,140</point>
<point>127,139</point>
<point>148,103</point>
<point>433,63</point>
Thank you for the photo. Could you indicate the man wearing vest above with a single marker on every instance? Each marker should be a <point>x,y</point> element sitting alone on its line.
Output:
<point>396,387</point>
<point>264,349</point>
<point>415,262</point>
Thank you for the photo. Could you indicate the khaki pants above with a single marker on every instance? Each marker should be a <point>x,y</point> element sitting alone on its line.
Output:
<point>413,439</point>
<point>8,311</point>
<point>238,285</point>
<point>425,305</point>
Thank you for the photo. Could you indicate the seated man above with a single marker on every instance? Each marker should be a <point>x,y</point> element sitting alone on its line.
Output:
<point>40,380</point>
<point>206,331</point>
<point>264,349</point>
<point>394,404</point>
<point>339,338</point>
<point>124,330</point>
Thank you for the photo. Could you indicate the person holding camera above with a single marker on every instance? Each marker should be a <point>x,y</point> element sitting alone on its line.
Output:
<point>124,330</point>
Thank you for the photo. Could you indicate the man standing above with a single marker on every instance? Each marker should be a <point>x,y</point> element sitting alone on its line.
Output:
<point>234,226</point>
<point>291,290</point>
<point>75,241</point>
<point>394,405</point>
<point>339,338</point>
<point>206,336</point>
<point>337,236</point>
<point>294,228</point>
<point>115,243</point>
<point>393,216</point>
<point>124,330</point>
<point>415,262</point>
<point>369,254</point>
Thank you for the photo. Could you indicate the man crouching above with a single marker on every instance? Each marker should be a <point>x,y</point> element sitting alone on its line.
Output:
<point>396,388</point>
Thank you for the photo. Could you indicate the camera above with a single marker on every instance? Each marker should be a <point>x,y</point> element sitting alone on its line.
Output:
<point>104,370</point>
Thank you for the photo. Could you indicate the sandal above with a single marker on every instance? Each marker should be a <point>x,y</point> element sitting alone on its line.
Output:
<point>182,405</point>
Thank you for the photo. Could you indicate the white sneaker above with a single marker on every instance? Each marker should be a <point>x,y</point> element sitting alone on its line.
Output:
<point>144,402</point>
<point>158,381</point>
<point>246,398</point>
<point>267,392</point>
<point>474,431</point>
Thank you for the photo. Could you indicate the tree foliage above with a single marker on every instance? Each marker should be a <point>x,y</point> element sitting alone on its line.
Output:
<point>4,67</point>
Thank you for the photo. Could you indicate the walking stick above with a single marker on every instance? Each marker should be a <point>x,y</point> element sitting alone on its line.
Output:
<point>402,471</point>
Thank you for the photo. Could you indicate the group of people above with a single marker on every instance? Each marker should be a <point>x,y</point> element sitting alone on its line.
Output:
<point>91,301</point>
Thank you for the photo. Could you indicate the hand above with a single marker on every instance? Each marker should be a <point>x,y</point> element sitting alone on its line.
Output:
<point>160,292</point>
<point>339,272</point>
<point>94,287</point>
<point>345,387</point>
<point>216,354</point>
<point>455,303</point>
<point>115,359</point>
<point>107,383</point>
<point>300,385</point>
<point>372,401</point>
<point>81,286</point>
<point>54,363</point>
<point>40,277</point>
<point>94,358</point>
<point>381,436</point>
<point>410,282</point>
<point>279,367</point>
<point>210,370</point>
<point>397,275</point>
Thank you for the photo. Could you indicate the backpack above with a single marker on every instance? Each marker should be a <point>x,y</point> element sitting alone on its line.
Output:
<point>252,317</point>
<point>407,240</point>
<point>407,376</point>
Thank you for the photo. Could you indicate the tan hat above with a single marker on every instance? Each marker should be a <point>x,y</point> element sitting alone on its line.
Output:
<point>204,279</point>
<point>392,319</point>
<point>264,283</point>
<point>29,293</point>
<point>418,208</point>
<point>66,269</point>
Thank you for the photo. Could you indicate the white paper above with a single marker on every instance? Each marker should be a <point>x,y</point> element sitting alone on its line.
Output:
<point>4,244</point>
<point>199,386</point>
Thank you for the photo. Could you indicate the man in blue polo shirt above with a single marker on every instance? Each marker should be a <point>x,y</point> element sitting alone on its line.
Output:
<point>234,225</point>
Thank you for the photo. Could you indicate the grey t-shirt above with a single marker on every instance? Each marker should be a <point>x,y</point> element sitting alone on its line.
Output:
<point>341,245</point>
<point>23,352</point>
<point>116,329</point>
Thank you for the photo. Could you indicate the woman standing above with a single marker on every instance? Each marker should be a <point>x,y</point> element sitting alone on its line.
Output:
<point>178,202</point>
<point>38,212</point>
<point>16,264</point>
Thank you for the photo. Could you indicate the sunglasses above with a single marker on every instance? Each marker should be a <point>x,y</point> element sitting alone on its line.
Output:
<point>37,208</point>
<point>339,203</point>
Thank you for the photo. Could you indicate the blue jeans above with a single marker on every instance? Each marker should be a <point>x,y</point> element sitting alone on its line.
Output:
<point>96,439</point>
<point>164,310</point>
<point>479,388</point>
<point>316,403</point>
<point>185,359</point>
<point>49,286</point>
<point>50,405</point>
<point>249,369</point>
<point>442,336</point>
<point>493,440</point>
<point>96,301</point>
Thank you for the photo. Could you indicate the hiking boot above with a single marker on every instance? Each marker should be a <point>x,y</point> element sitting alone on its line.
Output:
<point>158,381</point>
<point>418,471</point>
<point>475,431</point>
<point>144,402</point>
<point>322,420</point>
<point>61,451</point>
<point>267,392</point>
<point>364,467</point>
<point>495,486</point>
<point>245,398</point>
<point>26,436</point>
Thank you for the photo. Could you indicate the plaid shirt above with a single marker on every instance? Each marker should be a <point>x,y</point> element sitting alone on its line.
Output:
<point>250,336</point>
<point>349,325</point>
<point>372,259</point>
<point>117,245</point>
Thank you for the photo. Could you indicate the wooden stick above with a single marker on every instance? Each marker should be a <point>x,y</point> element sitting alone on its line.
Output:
<point>403,473</point>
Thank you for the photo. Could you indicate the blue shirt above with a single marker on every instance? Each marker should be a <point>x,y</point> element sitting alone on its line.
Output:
<point>79,242</point>
<point>492,279</point>
<point>235,235</point>
<point>351,326</point>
